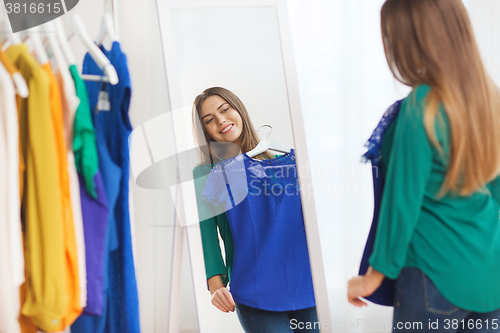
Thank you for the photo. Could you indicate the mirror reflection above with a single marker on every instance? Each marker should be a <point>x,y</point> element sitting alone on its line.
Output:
<point>248,193</point>
<point>253,239</point>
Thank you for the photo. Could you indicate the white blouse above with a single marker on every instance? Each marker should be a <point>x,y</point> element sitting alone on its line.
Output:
<point>11,244</point>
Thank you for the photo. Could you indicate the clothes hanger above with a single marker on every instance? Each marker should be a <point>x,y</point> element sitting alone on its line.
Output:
<point>41,54</point>
<point>107,28</point>
<point>96,54</point>
<point>54,45</point>
<point>20,84</point>
<point>13,39</point>
<point>94,51</point>
<point>10,37</point>
<point>267,144</point>
<point>63,42</point>
<point>33,35</point>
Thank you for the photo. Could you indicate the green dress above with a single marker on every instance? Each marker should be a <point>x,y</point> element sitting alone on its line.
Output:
<point>212,219</point>
<point>84,140</point>
<point>454,240</point>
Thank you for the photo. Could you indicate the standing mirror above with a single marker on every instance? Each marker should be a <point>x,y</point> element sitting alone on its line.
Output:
<point>245,48</point>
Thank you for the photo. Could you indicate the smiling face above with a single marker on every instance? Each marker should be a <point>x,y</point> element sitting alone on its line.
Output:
<point>221,121</point>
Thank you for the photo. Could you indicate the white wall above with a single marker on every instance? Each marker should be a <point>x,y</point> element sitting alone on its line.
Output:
<point>485,15</point>
<point>345,87</point>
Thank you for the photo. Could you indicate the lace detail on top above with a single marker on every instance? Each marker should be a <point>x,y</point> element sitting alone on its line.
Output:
<point>374,143</point>
<point>231,181</point>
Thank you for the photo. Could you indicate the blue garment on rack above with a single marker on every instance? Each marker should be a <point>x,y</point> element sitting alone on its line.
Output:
<point>384,295</point>
<point>121,305</point>
<point>271,269</point>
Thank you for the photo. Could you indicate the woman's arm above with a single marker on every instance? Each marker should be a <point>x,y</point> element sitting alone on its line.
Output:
<point>221,297</point>
<point>215,267</point>
<point>215,283</point>
<point>214,264</point>
<point>408,170</point>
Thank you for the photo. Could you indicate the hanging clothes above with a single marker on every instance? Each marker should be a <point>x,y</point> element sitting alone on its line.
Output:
<point>42,199</point>
<point>384,295</point>
<point>110,117</point>
<point>84,146</point>
<point>261,198</point>
<point>73,307</point>
<point>11,255</point>
<point>94,204</point>
<point>8,65</point>
<point>11,122</point>
<point>70,104</point>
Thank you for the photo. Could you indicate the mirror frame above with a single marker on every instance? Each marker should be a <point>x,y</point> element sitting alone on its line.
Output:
<point>189,213</point>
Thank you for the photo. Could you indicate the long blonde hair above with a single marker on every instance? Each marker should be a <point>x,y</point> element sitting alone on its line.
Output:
<point>249,137</point>
<point>432,42</point>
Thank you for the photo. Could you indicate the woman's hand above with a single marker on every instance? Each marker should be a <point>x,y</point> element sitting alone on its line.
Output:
<point>223,300</point>
<point>363,286</point>
<point>221,297</point>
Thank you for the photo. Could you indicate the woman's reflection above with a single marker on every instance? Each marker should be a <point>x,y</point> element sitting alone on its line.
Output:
<point>259,218</point>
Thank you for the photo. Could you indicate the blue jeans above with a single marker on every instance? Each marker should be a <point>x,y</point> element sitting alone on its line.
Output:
<point>420,307</point>
<point>261,321</point>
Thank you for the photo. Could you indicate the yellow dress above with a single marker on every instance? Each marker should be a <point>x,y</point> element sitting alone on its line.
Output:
<point>73,307</point>
<point>42,210</point>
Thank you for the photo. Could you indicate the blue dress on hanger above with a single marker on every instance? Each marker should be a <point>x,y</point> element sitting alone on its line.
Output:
<point>261,198</point>
<point>110,106</point>
<point>384,295</point>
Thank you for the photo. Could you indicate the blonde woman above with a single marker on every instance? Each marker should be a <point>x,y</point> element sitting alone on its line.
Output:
<point>439,227</point>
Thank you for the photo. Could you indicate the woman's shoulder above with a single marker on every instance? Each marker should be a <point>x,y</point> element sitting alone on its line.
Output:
<point>417,96</point>
<point>202,169</point>
<point>421,91</point>
<point>412,116</point>
<point>414,105</point>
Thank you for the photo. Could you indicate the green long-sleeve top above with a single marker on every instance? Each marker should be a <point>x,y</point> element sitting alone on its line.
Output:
<point>454,240</point>
<point>210,221</point>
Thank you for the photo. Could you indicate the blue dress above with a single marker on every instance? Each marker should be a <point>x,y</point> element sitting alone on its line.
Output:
<point>121,308</point>
<point>384,295</point>
<point>271,269</point>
